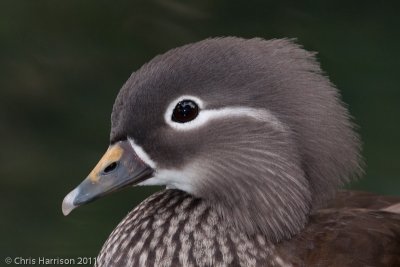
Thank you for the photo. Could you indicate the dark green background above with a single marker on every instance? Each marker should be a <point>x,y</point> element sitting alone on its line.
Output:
<point>63,62</point>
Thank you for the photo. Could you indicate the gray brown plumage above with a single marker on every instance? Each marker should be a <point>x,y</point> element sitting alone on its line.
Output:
<point>252,142</point>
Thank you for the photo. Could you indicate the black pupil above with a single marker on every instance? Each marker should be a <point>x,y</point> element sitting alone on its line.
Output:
<point>184,111</point>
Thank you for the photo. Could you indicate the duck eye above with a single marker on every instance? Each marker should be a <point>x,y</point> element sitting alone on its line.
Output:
<point>186,110</point>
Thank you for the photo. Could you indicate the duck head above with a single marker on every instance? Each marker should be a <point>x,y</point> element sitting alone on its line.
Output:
<point>251,126</point>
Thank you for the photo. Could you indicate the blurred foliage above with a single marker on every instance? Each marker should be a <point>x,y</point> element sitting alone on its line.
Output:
<point>63,62</point>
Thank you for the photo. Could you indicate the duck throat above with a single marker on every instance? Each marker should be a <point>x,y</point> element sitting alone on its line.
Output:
<point>271,199</point>
<point>276,215</point>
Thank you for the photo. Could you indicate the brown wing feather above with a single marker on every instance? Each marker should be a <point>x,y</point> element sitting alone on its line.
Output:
<point>364,200</point>
<point>347,237</point>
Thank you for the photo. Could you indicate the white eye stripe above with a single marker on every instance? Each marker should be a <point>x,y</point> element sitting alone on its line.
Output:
<point>206,115</point>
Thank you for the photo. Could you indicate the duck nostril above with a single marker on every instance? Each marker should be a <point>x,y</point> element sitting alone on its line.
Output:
<point>111,167</point>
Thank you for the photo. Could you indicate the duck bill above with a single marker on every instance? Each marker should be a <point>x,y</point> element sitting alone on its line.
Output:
<point>119,167</point>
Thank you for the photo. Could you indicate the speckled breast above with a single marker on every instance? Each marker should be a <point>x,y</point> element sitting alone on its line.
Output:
<point>171,228</point>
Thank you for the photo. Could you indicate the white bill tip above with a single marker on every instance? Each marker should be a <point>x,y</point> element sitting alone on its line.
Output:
<point>68,202</point>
